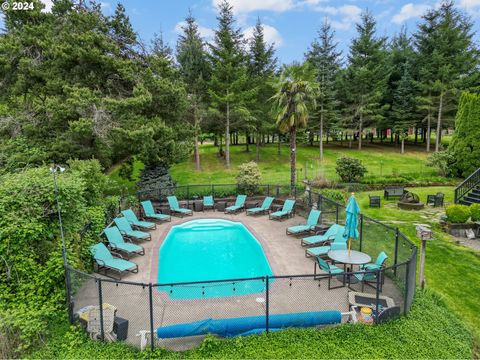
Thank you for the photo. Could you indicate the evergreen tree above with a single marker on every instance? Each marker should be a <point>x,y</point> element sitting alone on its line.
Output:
<point>325,59</point>
<point>366,75</point>
<point>194,69</point>
<point>228,85</point>
<point>294,100</point>
<point>403,106</point>
<point>465,146</point>
<point>447,58</point>
<point>160,48</point>
<point>261,67</point>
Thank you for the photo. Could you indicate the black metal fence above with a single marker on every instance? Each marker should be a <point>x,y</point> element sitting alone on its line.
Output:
<point>148,306</point>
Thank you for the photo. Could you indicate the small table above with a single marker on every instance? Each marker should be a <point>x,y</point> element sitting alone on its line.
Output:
<point>198,205</point>
<point>220,205</point>
<point>354,258</point>
<point>251,204</point>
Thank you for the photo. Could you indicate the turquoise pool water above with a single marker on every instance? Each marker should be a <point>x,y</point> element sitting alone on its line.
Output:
<point>211,249</point>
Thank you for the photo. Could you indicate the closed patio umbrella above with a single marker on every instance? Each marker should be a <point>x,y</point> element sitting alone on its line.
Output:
<point>351,221</point>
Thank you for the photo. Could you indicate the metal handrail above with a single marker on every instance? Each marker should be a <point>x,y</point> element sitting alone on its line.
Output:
<point>467,185</point>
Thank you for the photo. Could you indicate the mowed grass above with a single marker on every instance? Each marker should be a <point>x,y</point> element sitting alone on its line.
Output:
<point>380,161</point>
<point>452,270</point>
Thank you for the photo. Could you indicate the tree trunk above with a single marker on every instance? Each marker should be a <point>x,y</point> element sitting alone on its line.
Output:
<point>197,149</point>
<point>257,149</point>
<point>403,145</point>
<point>416,135</point>
<point>279,144</point>
<point>360,128</point>
<point>215,140</point>
<point>321,133</point>
<point>247,148</point>
<point>293,158</point>
<point>439,124</point>
<point>227,137</point>
<point>429,131</point>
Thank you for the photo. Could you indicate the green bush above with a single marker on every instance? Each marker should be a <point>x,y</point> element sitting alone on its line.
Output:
<point>475,212</point>
<point>441,160</point>
<point>350,169</point>
<point>458,214</point>
<point>465,147</point>
<point>332,194</point>
<point>248,177</point>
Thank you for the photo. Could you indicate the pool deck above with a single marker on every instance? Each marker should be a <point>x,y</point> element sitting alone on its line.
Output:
<point>284,253</point>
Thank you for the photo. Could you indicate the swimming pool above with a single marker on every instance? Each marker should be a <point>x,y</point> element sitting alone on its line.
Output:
<point>211,249</point>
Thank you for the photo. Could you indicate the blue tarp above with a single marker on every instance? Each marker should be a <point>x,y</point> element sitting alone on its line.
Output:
<point>249,325</point>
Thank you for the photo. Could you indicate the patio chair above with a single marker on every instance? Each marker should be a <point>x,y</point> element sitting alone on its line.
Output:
<point>435,200</point>
<point>133,220</point>
<point>317,240</point>
<point>175,208</point>
<point>126,229</point>
<point>322,251</point>
<point>308,226</point>
<point>238,206</point>
<point>116,242</point>
<point>369,277</point>
<point>150,213</point>
<point>378,264</point>
<point>105,260</point>
<point>208,203</point>
<point>286,211</point>
<point>330,269</point>
<point>265,207</point>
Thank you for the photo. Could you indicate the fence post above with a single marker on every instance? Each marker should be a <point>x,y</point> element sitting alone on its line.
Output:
<point>396,251</point>
<point>336,213</point>
<point>377,295</point>
<point>361,231</point>
<point>100,301</point>
<point>152,337</point>
<point>309,199</point>
<point>407,285</point>
<point>188,196</point>
<point>268,190</point>
<point>69,294</point>
<point>213,191</point>
<point>267,300</point>
<point>320,202</point>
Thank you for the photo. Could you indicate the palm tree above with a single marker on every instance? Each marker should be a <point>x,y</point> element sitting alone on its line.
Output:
<point>295,93</point>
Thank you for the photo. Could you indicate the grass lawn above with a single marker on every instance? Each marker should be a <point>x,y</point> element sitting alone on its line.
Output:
<point>124,185</point>
<point>430,331</point>
<point>381,161</point>
<point>452,269</point>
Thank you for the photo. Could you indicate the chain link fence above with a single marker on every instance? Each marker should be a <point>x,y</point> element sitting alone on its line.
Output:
<point>129,311</point>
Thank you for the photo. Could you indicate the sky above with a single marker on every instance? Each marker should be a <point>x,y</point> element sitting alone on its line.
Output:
<point>290,24</point>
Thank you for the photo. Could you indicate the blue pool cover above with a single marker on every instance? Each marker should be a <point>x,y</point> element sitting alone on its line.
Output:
<point>249,325</point>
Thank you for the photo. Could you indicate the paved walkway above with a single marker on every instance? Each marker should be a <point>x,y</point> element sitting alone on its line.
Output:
<point>285,255</point>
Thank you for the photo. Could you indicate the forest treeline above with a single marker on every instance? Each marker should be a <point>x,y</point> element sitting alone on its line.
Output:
<point>79,84</point>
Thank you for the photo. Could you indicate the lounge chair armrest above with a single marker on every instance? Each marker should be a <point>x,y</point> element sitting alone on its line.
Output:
<point>122,232</point>
<point>119,256</point>
<point>100,262</point>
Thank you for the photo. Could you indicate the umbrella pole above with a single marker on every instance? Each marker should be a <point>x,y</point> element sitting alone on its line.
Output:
<point>349,245</point>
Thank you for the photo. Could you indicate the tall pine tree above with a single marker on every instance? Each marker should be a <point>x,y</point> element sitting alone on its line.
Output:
<point>195,71</point>
<point>366,75</point>
<point>447,58</point>
<point>261,67</point>
<point>325,58</point>
<point>228,85</point>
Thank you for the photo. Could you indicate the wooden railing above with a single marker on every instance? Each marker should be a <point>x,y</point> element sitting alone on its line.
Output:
<point>467,185</point>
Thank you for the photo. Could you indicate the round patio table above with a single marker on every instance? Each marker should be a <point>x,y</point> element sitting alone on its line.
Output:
<point>355,258</point>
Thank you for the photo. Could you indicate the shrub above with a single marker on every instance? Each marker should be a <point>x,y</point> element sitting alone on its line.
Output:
<point>337,195</point>
<point>475,212</point>
<point>350,169</point>
<point>465,147</point>
<point>441,160</point>
<point>458,214</point>
<point>248,177</point>
<point>320,182</point>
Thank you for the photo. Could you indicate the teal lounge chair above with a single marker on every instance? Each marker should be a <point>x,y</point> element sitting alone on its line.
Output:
<point>239,205</point>
<point>339,243</point>
<point>208,202</point>
<point>126,229</point>
<point>105,260</point>
<point>175,208</point>
<point>286,211</point>
<point>312,221</point>
<point>265,207</point>
<point>116,242</point>
<point>329,235</point>
<point>330,269</point>
<point>150,213</point>
<point>133,220</point>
